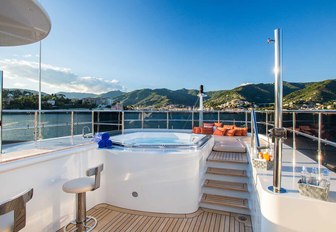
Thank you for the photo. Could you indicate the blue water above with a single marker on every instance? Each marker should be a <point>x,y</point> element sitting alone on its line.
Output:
<point>156,141</point>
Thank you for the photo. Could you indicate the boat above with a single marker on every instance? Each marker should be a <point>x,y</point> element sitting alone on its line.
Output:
<point>131,170</point>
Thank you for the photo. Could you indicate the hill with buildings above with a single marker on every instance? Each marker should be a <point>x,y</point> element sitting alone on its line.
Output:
<point>314,95</point>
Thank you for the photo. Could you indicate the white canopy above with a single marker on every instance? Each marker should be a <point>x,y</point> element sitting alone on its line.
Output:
<point>22,22</point>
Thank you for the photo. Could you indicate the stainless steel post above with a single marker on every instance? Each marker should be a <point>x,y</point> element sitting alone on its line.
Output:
<point>246,125</point>
<point>319,155</point>
<point>294,132</point>
<point>1,92</point>
<point>278,130</point>
<point>35,125</point>
<point>72,124</point>
<point>81,211</point>
<point>92,122</point>
<point>192,119</point>
<point>142,119</point>
<point>122,122</point>
<point>218,117</point>
<point>40,95</point>
<point>167,119</point>
<point>252,133</point>
<point>268,139</point>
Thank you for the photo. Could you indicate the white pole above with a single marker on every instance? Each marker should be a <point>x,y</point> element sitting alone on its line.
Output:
<point>40,95</point>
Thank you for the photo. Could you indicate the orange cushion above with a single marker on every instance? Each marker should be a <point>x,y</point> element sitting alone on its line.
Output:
<point>206,130</point>
<point>230,132</point>
<point>239,131</point>
<point>218,124</point>
<point>228,127</point>
<point>219,132</point>
<point>207,125</point>
<point>244,131</point>
<point>197,130</point>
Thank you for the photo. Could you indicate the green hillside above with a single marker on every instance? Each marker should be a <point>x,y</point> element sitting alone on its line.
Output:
<point>159,97</point>
<point>319,92</point>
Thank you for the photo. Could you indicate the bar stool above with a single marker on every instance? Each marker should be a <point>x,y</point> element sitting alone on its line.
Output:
<point>80,186</point>
<point>18,205</point>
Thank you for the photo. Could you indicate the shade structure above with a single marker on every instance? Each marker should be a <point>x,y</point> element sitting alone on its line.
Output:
<point>22,22</point>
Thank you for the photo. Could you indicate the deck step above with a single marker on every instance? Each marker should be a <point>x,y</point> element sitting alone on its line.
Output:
<point>226,172</point>
<point>225,201</point>
<point>232,157</point>
<point>226,185</point>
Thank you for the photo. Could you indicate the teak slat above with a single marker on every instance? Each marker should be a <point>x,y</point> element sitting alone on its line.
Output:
<point>111,218</point>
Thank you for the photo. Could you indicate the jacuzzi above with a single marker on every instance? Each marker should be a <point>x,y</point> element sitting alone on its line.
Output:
<point>156,171</point>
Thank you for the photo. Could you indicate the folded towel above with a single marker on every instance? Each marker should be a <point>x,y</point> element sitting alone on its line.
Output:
<point>108,143</point>
<point>105,136</point>
<point>102,143</point>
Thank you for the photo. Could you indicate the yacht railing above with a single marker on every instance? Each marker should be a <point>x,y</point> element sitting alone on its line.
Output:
<point>318,127</point>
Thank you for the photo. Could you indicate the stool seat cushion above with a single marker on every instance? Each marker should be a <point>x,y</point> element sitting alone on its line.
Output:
<point>79,185</point>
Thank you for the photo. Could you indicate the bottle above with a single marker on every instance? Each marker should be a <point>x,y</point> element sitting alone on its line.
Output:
<point>314,177</point>
<point>304,175</point>
<point>326,178</point>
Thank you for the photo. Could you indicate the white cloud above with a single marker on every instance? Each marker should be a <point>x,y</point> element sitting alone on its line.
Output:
<point>243,84</point>
<point>24,74</point>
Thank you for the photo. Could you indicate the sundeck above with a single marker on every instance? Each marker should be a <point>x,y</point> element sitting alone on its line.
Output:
<point>157,170</point>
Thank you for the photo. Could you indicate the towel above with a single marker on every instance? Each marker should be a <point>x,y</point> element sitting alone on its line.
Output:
<point>108,143</point>
<point>102,143</point>
<point>105,136</point>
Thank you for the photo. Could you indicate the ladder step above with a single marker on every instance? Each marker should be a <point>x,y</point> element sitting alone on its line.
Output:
<point>226,172</point>
<point>233,157</point>
<point>226,185</point>
<point>225,201</point>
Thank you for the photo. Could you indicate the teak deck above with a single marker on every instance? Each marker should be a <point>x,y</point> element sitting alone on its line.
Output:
<point>233,157</point>
<point>112,218</point>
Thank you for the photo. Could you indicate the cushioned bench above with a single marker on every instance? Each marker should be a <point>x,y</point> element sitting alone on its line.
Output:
<point>228,144</point>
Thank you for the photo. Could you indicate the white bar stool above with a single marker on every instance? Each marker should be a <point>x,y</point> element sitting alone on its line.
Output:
<point>80,186</point>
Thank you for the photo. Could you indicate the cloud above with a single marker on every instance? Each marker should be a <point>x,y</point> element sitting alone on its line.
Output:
<point>24,74</point>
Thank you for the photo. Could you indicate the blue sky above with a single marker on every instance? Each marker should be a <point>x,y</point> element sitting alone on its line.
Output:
<point>97,46</point>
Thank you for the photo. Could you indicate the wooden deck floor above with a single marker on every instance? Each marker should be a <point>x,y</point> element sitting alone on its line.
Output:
<point>234,157</point>
<point>112,218</point>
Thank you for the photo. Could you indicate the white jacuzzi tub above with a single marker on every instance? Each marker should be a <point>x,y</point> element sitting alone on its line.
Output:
<point>164,176</point>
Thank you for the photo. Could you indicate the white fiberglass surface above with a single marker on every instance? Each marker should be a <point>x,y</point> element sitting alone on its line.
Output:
<point>157,138</point>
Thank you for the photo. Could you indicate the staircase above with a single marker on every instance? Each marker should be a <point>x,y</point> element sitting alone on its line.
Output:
<point>226,183</point>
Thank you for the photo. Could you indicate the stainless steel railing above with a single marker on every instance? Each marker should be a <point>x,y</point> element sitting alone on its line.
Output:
<point>57,123</point>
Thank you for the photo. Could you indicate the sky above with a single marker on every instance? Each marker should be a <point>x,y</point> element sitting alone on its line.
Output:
<point>98,46</point>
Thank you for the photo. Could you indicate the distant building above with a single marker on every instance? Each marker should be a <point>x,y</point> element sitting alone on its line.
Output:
<point>51,102</point>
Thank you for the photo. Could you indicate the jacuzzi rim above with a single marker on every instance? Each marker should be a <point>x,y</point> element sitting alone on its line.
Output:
<point>199,144</point>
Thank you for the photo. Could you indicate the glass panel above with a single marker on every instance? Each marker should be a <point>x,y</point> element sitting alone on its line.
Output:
<point>328,130</point>
<point>81,120</point>
<point>307,123</point>
<point>18,127</point>
<point>55,124</point>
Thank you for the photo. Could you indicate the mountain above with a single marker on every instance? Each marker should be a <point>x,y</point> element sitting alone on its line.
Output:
<point>17,92</point>
<point>112,94</point>
<point>73,95</point>
<point>295,96</point>
<point>159,97</point>
<point>318,92</point>
<point>253,93</point>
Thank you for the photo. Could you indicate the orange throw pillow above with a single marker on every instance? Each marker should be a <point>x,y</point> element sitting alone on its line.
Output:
<point>206,130</point>
<point>197,130</point>
<point>219,132</point>
<point>239,131</point>
<point>208,125</point>
<point>244,131</point>
<point>229,127</point>
<point>218,124</point>
<point>230,132</point>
